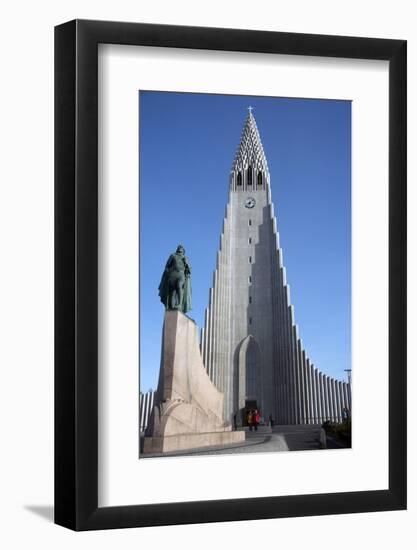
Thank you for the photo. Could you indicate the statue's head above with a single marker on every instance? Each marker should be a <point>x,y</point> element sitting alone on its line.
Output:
<point>180,249</point>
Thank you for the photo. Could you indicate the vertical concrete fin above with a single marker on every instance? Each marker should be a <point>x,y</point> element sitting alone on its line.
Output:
<point>292,315</point>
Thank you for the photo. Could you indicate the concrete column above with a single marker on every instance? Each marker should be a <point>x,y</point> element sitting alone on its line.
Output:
<point>210,337</point>
<point>292,367</point>
<point>330,399</point>
<point>341,404</point>
<point>321,391</point>
<point>210,350</point>
<point>227,256</point>
<point>334,402</point>
<point>345,403</point>
<point>220,381</point>
<point>338,408</point>
<point>289,371</point>
<point>277,343</point>
<point>206,340</point>
<point>278,366</point>
<point>285,359</point>
<point>323,396</point>
<point>317,395</point>
<point>288,330</point>
<point>141,398</point>
<point>284,323</point>
<point>342,396</point>
<point>281,344</point>
<point>339,400</point>
<point>215,326</point>
<point>220,326</point>
<point>349,388</point>
<point>297,391</point>
<point>225,311</point>
<point>322,400</point>
<point>220,330</point>
<point>345,395</point>
<point>311,388</point>
<point>331,404</point>
<point>287,355</point>
<point>314,393</point>
<point>306,388</point>
<point>310,403</point>
<point>311,382</point>
<point>301,382</point>
<point>340,390</point>
<point>335,412</point>
<point>150,406</point>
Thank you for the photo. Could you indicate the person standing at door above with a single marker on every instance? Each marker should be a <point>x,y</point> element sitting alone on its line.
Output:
<point>256,417</point>
<point>249,419</point>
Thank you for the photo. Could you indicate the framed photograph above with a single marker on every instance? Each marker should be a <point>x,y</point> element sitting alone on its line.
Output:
<point>251,351</point>
<point>198,173</point>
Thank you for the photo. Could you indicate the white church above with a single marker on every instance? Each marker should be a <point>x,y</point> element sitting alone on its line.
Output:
<point>250,344</point>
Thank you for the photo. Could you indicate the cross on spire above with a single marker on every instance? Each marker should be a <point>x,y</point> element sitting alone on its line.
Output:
<point>250,109</point>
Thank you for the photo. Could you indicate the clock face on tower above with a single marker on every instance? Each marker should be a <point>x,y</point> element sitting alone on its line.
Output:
<point>250,202</point>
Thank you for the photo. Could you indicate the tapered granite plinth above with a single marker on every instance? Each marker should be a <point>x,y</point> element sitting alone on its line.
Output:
<point>189,409</point>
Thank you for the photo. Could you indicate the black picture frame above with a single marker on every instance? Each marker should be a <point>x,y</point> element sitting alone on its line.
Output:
<point>76,272</point>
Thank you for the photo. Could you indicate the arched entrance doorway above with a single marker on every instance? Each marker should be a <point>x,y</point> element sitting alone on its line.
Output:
<point>249,376</point>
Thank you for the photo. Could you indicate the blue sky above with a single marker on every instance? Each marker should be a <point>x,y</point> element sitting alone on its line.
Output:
<point>187,146</point>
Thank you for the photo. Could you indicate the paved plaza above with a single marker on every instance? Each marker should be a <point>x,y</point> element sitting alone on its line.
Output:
<point>279,439</point>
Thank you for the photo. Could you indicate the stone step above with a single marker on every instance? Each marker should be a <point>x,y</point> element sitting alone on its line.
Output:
<point>296,427</point>
<point>302,436</point>
<point>260,429</point>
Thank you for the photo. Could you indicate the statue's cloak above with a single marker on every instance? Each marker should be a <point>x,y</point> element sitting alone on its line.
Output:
<point>187,295</point>
<point>164,285</point>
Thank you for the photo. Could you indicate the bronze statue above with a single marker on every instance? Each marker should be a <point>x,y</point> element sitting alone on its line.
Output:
<point>175,286</point>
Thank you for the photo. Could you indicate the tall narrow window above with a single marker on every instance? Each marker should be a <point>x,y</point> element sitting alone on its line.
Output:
<point>250,240</point>
<point>250,175</point>
<point>250,299</point>
<point>239,179</point>
<point>250,259</point>
<point>250,279</point>
<point>250,222</point>
<point>250,320</point>
<point>259,179</point>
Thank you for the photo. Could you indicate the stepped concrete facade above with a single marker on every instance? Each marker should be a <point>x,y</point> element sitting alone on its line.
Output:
<point>250,343</point>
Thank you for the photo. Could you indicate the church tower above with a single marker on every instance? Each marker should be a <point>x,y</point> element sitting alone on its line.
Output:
<point>250,343</point>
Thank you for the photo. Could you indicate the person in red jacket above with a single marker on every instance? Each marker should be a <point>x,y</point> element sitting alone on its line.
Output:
<point>256,418</point>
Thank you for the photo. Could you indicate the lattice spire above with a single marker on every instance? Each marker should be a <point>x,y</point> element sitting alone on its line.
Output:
<point>250,151</point>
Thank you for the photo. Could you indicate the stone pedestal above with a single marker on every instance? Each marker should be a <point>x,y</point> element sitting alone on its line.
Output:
<point>189,409</point>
